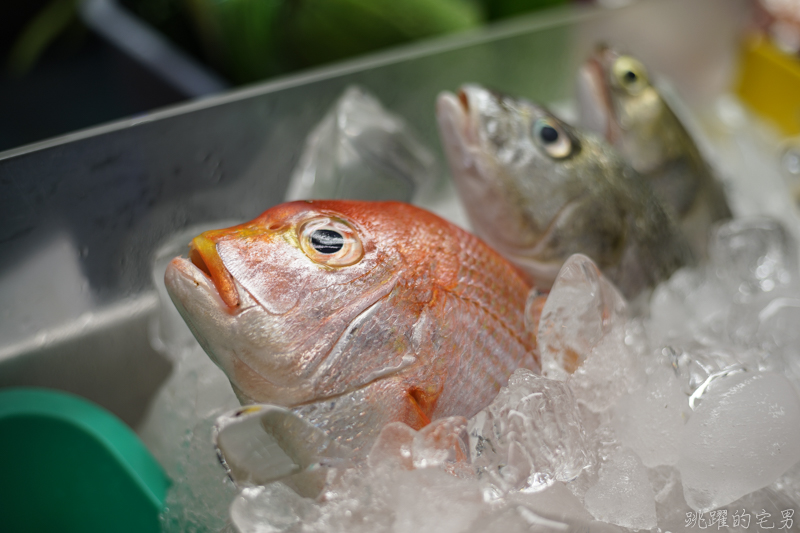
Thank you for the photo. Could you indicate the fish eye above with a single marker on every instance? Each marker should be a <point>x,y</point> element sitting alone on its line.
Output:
<point>330,241</point>
<point>327,241</point>
<point>630,74</point>
<point>549,136</point>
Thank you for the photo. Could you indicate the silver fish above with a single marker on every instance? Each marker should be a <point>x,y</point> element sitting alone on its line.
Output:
<point>617,99</point>
<point>539,190</point>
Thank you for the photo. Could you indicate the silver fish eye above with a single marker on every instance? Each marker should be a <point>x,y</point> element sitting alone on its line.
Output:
<point>551,138</point>
<point>630,74</point>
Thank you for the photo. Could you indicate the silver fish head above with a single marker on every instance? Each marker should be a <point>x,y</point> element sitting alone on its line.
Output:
<point>617,99</point>
<point>534,187</point>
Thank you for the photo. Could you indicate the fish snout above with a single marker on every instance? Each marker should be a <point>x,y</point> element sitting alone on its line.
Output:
<point>463,98</point>
<point>203,254</point>
<point>595,101</point>
<point>454,114</point>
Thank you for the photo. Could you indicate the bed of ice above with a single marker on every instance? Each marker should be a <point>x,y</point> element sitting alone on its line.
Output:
<point>684,414</point>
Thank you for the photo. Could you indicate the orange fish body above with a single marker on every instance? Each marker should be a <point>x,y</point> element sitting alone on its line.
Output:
<point>356,314</point>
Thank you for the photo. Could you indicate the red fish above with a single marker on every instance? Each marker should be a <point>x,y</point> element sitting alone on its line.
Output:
<point>356,314</point>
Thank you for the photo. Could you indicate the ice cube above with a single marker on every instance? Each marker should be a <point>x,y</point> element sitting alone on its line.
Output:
<point>777,323</point>
<point>396,500</point>
<point>651,419</point>
<point>754,255</point>
<point>201,492</point>
<point>671,506</point>
<point>442,443</point>
<point>690,306</point>
<point>261,443</point>
<point>530,436</point>
<point>361,151</point>
<point>776,333</point>
<point>177,429</point>
<point>762,510</point>
<point>581,309</point>
<point>697,366</point>
<point>583,335</point>
<point>552,509</point>
<point>623,494</point>
<point>554,501</point>
<point>393,447</point>
<point>744,434</point>
<point>431,500</point>
<point>270,509</point>
<point>611,370</point>
<point>788,484</point>
<point>361,500</point>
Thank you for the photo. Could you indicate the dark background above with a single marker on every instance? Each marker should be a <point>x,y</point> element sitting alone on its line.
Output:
<point>78,82</point>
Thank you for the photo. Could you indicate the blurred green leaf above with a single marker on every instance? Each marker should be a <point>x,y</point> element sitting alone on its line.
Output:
<point>318,31</point>
<point>239,35</point>
<point>39,33</point>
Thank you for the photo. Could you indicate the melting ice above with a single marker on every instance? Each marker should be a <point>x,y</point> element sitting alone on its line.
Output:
<point>681,413</point>
<point>361,151</point>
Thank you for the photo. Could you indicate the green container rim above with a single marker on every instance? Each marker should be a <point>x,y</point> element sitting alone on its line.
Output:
<point>109,431</point>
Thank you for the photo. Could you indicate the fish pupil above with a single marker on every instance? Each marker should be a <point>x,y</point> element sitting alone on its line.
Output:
<point>548,134</point>
<point>327,241</point>
<point>630,76</point>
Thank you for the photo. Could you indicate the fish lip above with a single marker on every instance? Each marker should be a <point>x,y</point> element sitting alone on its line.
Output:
<point>595,97</point>
<point>189,271</point>
<point>457,110</point>
<point>204,256</point>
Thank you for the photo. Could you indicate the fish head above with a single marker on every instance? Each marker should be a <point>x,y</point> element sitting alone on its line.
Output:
<point>617,99</point>
<point>268,299</point>
<point>520,172</point>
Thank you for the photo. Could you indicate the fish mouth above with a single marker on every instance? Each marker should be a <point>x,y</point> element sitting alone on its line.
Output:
<point>455,116</point>
<point>181,273</point>
<point>594,95</point>
<point>203,255</point>
<point>464,100</point>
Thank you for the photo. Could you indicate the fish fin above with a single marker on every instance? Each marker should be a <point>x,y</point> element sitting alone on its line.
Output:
<point>423,402</point>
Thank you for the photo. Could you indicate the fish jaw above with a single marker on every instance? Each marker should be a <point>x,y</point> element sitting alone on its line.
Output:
<point>594,99</point>
<point>478,177</point>
<point>458,135</point>
<point>225,333</point>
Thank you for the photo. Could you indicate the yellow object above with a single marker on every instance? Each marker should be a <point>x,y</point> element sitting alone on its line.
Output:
<point>769,83</point>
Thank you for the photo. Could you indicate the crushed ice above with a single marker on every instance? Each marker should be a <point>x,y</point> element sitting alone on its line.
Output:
<point>685,415</point>
<point>361,151</point>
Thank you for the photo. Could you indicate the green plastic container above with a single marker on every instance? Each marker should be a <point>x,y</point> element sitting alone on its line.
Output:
<point>69,465</point>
